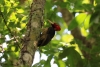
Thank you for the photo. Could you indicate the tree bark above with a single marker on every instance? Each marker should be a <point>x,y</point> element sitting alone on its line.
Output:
<point>32,34</point>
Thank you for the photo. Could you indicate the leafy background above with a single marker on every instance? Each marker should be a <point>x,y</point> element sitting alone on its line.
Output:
<point>76,45</point>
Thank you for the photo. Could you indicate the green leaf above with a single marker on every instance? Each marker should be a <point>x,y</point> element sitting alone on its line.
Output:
<point>66,52</point>
<point>63,4</point>
<point>77,21</point>
<point>86,22</point>
<point>20,11</point>
<point>1,1</point>
<point>47,63</point>
<point>73,56</point>
<point>61,63</point>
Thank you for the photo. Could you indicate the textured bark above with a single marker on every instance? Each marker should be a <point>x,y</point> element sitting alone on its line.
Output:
<point>32,34</point>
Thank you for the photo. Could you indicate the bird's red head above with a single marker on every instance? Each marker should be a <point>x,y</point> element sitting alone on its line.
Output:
<point>56,27</point>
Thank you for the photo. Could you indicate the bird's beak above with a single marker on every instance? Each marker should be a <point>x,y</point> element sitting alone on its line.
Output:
<point>50,22</point>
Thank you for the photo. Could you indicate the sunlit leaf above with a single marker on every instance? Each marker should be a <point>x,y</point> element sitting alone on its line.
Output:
<point>86,1</point>
<point>77,49</point>
<point>1,8</point>
<point>13,16</point>
<point>8,4</point>
<point>61,63</point>
<point>23,25</point>
<point>13,48</point>
<point>20,10</point>
<point>77,21</point>
<point>67,38</point>
<point>84,32</point>
<point>87,21</point>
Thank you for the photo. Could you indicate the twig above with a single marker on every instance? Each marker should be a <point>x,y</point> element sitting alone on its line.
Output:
<point>5,22</point>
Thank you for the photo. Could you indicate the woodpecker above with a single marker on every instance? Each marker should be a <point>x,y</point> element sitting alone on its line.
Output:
<point>48,34</point>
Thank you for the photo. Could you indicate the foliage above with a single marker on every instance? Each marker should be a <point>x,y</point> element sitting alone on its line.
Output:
<point>13,19</point>
<point>65,49</point>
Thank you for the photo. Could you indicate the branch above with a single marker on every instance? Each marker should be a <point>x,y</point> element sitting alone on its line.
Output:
<point>32,34</point>
<point>12,34</point>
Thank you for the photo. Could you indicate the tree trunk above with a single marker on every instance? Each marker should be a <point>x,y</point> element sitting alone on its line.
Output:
<point>32,34</point>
